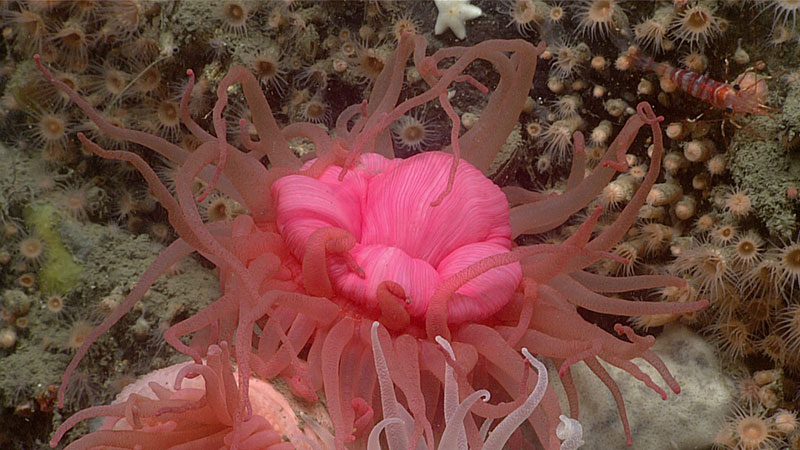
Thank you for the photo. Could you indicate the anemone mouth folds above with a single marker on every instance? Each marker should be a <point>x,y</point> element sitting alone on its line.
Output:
<point>385,206</point>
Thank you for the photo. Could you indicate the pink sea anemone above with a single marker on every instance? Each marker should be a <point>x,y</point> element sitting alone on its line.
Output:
<point>425,246</point>
<point>151,413</point>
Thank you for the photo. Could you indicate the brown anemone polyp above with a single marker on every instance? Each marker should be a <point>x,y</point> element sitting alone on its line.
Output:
<point>304,279</point>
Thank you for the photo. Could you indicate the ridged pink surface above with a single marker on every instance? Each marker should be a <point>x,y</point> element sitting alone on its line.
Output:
<point>386,205</point>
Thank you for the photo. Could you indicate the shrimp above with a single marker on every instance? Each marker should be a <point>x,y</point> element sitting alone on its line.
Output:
<point>746,95</point>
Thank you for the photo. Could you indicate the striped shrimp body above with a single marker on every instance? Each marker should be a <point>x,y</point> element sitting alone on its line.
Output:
<point>746,95</point>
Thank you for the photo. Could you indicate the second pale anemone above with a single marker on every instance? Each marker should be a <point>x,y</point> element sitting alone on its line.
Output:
<point>425,246</point>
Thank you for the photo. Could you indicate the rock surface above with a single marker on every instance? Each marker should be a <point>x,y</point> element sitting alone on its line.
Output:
<point>685,421</point>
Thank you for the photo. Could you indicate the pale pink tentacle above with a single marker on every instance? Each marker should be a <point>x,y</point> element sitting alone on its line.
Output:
<point>332,350</point>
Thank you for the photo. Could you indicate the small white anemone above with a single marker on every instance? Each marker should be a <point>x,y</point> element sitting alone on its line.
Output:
<point>570,432</point>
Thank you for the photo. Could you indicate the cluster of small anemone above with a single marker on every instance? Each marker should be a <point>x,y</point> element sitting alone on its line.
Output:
<point>751,281</point>
<point>21,255</point>
<point>16,305</point>
<point>697,223</point>
<point>133,59</point>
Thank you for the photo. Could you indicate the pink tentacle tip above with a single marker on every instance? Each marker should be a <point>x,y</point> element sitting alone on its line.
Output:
<point>353,266</point>
<point>202,197</point>
<point>616,165</point>
<point>364,414</point>
<point>595,216</point>
<point>474,83</point>
<point>428,65</point>
<point>634,338</point>
<point>579,143</point>
<point>342,174</point>
<point>364,111</point>
<point>647,114</point>
<point>614,257</point>
<point>48,76</point>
